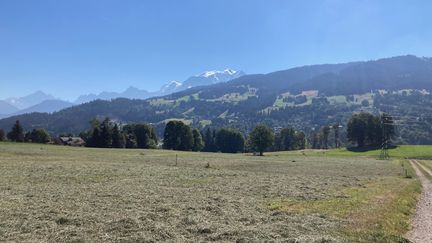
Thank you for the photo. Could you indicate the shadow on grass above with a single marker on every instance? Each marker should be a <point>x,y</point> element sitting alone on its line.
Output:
<point>368,148</point>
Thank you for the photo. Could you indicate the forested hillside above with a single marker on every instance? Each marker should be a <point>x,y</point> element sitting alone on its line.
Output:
<point>305,98</point>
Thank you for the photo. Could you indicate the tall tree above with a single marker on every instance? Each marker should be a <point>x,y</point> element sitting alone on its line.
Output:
<point>373,129</point>
<point>209,140</point>
<point>130,140</point>
<point>356,130</point>
<point>365,129</point>
<point>118,138</point>
<point>287,139</point>
<point>171,138</point>
<point>300,140</point>
<point>95,138</point>
<point>39,135</point>
<point>198,143</point>
<point>336,128</point>
<point>27,137</point>
<point>261,138</point>
<point>178,136</point>
<point>17,133</point>
<point>106,134</point>
<point>145,136</point>
<point>186,138</point>
<point>388,127</point>
<point>325,136</point>
<point>2,135</point>
<point>315,140</point>
<point>229,141</point>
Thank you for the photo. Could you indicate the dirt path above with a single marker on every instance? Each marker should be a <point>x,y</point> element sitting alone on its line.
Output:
<point>422,223</point>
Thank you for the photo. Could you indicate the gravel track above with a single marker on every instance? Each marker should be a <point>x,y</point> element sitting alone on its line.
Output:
<point>422,222</point>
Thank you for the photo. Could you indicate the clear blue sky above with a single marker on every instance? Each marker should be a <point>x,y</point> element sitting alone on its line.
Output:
<point>68,48</point>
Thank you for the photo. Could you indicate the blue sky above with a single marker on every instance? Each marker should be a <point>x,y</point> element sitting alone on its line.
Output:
<point>68,48</point>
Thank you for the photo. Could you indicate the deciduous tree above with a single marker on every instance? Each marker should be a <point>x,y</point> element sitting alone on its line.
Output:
<point>261,138</point>
<point>229,141</point>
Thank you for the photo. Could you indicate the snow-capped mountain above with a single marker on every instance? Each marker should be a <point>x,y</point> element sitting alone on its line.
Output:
<point>212,77</point>
<point>205,78</point>
<point>42,102</point>
<point>171,87</point>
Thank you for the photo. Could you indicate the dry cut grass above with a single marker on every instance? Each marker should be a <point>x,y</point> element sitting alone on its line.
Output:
<point>62,194</point>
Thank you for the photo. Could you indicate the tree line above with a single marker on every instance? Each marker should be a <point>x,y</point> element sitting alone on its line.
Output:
<point>17,134</point>
<point>363,130</point>
<point>108,134</point>
<point>180,136</point>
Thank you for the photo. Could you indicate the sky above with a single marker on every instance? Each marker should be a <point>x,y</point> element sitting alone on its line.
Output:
<point>69,48</point>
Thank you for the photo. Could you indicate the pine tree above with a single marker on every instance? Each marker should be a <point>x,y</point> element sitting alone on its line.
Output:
<point>325,136</point>
<point>300,138</point>
<point>209,140</point>
<point>95,138</point>
<point>118,139</point>
<point>2,135</point>
<point>106,134</point>
<point>336,135</point>
<point>198,143</point>
<point>17,133</point>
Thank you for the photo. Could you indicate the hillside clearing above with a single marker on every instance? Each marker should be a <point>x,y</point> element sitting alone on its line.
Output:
<point>64,194</point>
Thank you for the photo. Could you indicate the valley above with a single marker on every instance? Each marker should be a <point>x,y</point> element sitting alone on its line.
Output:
<point>305,98</point>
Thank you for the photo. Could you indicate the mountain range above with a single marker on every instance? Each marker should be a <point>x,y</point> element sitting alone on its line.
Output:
<point>42,102</point>
<point>306,98</point>
<point>206,78</point>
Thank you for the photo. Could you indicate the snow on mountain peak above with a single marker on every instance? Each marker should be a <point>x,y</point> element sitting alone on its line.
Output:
<point>229,72</point>
<point>215,73</point>
<point>170,86</point>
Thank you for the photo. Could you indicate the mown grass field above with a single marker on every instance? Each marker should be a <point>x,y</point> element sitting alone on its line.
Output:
<point>64,194</point>
<point>401,152</point>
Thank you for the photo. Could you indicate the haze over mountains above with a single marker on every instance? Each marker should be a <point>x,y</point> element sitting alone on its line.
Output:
<point>42,102</point>
<point>305,98</point>
<point>206,78</point>
<point>35,102</point>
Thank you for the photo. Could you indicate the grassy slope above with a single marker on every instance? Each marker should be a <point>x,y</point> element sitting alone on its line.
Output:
<point>54,193</point>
